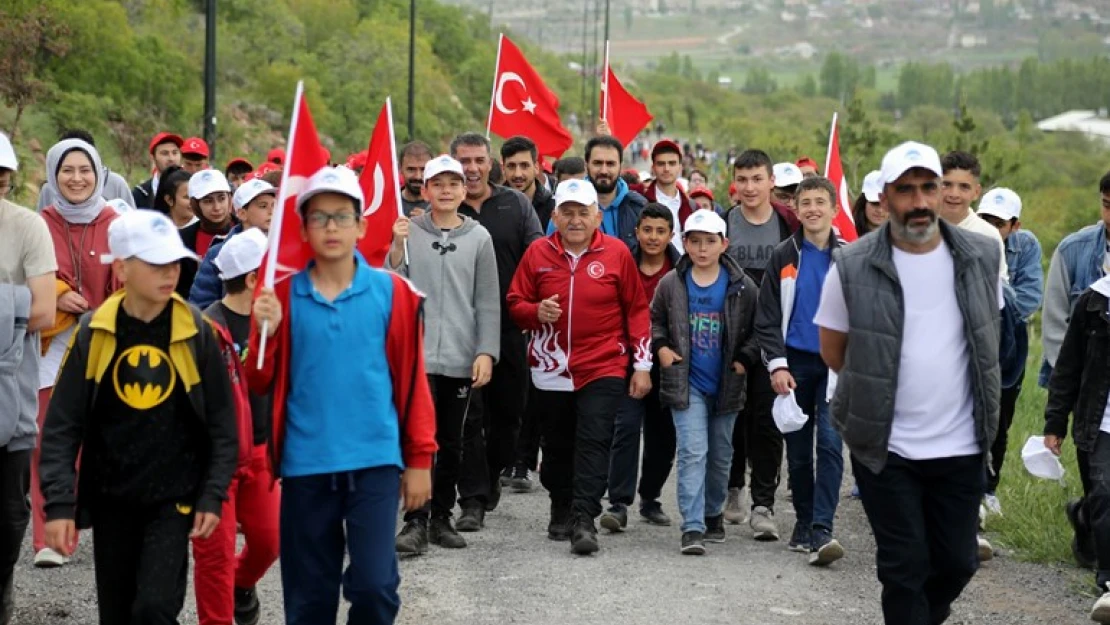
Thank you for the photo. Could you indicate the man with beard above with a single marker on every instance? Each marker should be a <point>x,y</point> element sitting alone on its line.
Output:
<point>918,395</point>
<point>519,162</point>
<point>413,157</point>
<point>490,431</point>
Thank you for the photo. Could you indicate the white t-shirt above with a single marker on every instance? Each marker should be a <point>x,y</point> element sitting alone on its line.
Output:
<point>675,205</point>
<point>933,405</point>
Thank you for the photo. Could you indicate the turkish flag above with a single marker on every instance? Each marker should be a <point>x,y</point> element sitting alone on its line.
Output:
<point>834,171</point>
<point>382,189</point>
<point>625,115</point>
<point>523,105</point>
<point>304,156</point>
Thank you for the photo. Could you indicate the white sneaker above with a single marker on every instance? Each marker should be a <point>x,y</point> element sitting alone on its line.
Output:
<point>49,559</point>
<point>986,551</point>
<point>734,510</point>
<point>1100,613</point>
<point>993,506</point>
<point>763,524</point>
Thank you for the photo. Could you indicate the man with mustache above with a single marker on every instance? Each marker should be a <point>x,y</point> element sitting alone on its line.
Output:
<point>909,319</point>
<point>414,156</point>
<point>519,161</point>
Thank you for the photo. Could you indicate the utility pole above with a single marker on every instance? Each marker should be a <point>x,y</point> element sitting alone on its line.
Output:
<point>412,70</point>
<point>210,78</point>
<point>585,59</point>
<point>606,21</point>
<point>594,67</point>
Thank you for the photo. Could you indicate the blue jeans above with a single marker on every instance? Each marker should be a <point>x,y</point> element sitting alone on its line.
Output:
<point>704,460</point>
<point>815,500</point>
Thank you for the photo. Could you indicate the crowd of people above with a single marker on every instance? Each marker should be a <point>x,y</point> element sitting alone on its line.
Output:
<point>158,395</point>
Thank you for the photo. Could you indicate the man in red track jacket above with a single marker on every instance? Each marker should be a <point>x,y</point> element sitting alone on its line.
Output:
<point>579,293</point>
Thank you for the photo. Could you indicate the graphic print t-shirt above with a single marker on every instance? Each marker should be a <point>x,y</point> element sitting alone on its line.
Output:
<point>707,305</point>
<point>147,442</point>
<point>750,245</point>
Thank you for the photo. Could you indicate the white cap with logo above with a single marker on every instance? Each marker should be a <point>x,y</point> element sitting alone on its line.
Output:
<point>577,191</point>
<point>443,164</point>
<point>332,180</point>
<point>206,182</point>
<point>786,174</point>
<point>705,220</point>
<point>241,254</point>
<point>7,154</point>
<point>249,190</point>
<point>907,156</point>
<point>1001,203</point>
<point>147,235</point>
<point>873,185</point>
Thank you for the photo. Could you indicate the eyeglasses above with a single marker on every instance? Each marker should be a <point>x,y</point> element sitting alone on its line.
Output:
<point>320,221</point>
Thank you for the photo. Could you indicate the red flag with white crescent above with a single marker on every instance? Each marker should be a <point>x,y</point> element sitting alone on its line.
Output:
<point>522,104</point>
<point>382,189</point>
<point>834,171</point>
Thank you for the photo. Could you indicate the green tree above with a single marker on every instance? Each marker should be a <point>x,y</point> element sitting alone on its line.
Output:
<point>29,40</point>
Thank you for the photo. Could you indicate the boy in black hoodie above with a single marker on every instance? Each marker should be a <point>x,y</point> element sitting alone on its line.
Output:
<point>144,396</point>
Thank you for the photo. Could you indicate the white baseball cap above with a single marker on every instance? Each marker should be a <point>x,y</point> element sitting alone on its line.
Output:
<point>249,190</point>
<point>1001,203</point>
<point>206,182</point>
<point>147,235</point>
<point>241,254</point>
<point>873,185</point>
<point>907,156</point>
<point>705,220</point>
<point>443,164</point>
<point>7,154</point>
<point>786,174</point>
<point>332,180</point>
<point>577,191</point>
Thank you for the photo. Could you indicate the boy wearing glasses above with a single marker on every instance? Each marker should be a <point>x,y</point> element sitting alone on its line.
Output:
<point>450,258</point>
<point>350,436</point>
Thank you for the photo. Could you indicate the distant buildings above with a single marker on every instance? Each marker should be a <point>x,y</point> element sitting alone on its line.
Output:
<point>1093,124</point>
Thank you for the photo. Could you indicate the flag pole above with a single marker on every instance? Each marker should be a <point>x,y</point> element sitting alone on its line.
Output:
<point>393,160</point>
<point>279,214</point>
<point>493,92</point>
<point>605,105</point>
<point>828,153</point>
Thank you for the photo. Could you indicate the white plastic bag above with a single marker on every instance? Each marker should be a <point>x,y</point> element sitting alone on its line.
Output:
<point>1040,461</point>
<point>788,414</point>
<point>830,386</point>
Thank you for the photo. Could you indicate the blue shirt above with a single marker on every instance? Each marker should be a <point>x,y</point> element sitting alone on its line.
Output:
<point>340,414</point>
<point>1023,259</point>
<point>813,265</point>
<point>707,306</point>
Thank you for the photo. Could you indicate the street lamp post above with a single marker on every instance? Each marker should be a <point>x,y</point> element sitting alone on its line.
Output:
<point>210,77</point>
<point>412,70</point>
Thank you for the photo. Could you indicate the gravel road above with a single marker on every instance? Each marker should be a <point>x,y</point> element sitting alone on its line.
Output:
<point>512,573</point>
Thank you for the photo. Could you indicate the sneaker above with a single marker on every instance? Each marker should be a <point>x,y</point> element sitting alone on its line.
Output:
<point>247,608</point>
<point>734,510</point>
<point>715,529</point>
<point>494,496</point>
<point>1100,613</point>
<point>506,477</point>
<point>823,548</point>
<point>799,538</point>
<point>441,532</point>
<point>583,540</point>
<point>472,519</point>
<point>413,539</point>
<point>615,519</point>
<point>986,551</point>
<point>521,481</point>
<point>652,512</point>
<point>558,528</point>
<point>1082,547</point>
<point>763,525</point>
<point>692,544</point>
<point>854,494</point>
<point>993,506</point>
<point>49,559</point>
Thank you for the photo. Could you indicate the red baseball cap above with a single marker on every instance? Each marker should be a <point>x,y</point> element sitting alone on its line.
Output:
<point>702,192</point>
<point>358,159</point>
<point>731,189</point>
<point>276,155</point>
<point>264,169</point>
<point>195,145</point>
<point>165,137</point>
<point>665,145</point>
<point>806,161</point>
<point>239,161</point>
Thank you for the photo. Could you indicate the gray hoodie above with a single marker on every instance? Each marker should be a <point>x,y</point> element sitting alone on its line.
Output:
<point>457,270</point>
<point>19,370</point>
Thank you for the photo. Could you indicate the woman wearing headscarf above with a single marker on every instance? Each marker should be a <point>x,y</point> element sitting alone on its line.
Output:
<point>78,220</point>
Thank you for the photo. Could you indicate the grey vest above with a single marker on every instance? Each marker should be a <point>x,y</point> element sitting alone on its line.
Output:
<point>863,408</point>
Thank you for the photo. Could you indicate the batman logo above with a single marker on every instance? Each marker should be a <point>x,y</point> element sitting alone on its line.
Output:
<point>143,377</point>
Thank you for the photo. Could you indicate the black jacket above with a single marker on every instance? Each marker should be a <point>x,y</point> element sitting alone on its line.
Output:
<point>143,194</point>
<point>195,351</point>
<point>1081,379</point>
<point>544,203</point>
<point>190,267</point>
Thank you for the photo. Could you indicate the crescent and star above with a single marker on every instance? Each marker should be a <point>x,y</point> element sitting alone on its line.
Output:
<point>527,102</point>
